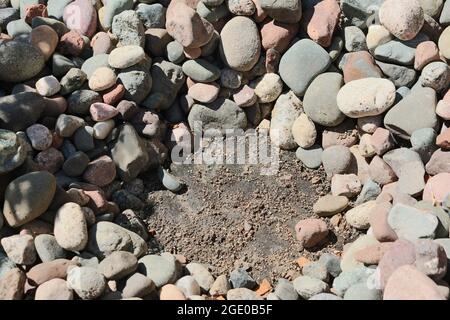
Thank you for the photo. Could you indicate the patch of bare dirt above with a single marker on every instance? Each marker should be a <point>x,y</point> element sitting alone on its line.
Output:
<point>231,216</point>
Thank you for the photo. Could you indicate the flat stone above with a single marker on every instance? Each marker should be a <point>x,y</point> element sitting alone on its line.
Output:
<point>330,205</point>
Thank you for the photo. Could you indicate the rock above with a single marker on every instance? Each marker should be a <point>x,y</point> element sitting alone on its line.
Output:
<point>411,223</point>
<point>443,139</point>
<point>347,185</point>
<point>102,78</point>
<point>204,92</point>
<point>304,132</point>
<point>12,285</point>
<point>359,217</point>
<point>128,29</point>
<point>12,54</point>
<point>49,160</point>
<point>355,39</point>
<point>186,26</point>
<point>325,296</point>
<point>408,283</point>
<point>437,188</point>
<point>301,64</point>
<point>320,104</point>
<point>376,36</point>
<point>21,110</point>
<point>36,191</point>
<point>311,232</point>
<point>370,191</point>
<point>72,81</point>
<point>348,279</point>
<point>20,249</point>
<point>366,97</point>
<point>381,172</point>
<point>336,160</point>
<point>137,82</point>
<point>87,282</point>
<point>436,75</point>
<point>321,21</point>
<point>201,70</point>
<point>348,260</point>
<point>359,65</point>
<point>118,265</point>
<point>373,254</point>
<point>45,39</point>
<point>201,275</point>
<point>269,88</point>
<point>13,151</point>
<point>80,101</point>
<point>220,287</point>
<point>222,114</point>
<point>444,40</point>
<point>426,52</point>
<point>242,31</point>
<point>48,248</point>
<point>438,163</point>
<point>285,112</point>
<point>93,63</point>
<point>113,8</point>
<point>398,157</point>
<point>402,18</point>
<point>152,15</point>
<point>81,16</point>
<point>239,278</point>
<point>55,289</point>
<point>329,205</point>
<point>399,75</point>
<point>46,271</point>
<point>399,52</point>
<point>276,35</point>
<point>331,263</point>
<point>288,11</point>
<point>103,129</point>
<point>431,259</point>
<point>137,285</point>
<point>188,286</point>
<point>411,180</point>
<point>129,153</point>
<point>70,227</point>
<point>126,56</point>
<point>106,237</point>
<point>308,287</point>
<point>161,270</point>
<point>316,270</point>
<point>285,290</point>
<point>311,157</point>
<point>242,294</point>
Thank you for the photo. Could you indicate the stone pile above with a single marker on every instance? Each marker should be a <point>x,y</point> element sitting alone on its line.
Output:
<point>93,93</point>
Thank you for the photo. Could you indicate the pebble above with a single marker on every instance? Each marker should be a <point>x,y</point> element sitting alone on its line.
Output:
<point>204,92</point>
<point>20,208</point>
<point>288,11</point>
<point>55,289</point>
<point>45,39</point>
<point>87,282</point>
<point>308,287</point>
<point>161,270</point>
<point>330,205</point>
<point>239,278</point>
<point>359,217</point>
<point>48,248</point>
<point>220,287</point>
<point>137,285</point>
<point>301,64</point>
<point>347,185</point>
<point>336,160</point>
<point>242,294</point>
<point>12,285</point>
<point>366,97</point>
<point>361,291</point>
<point>304,132</point>
<point>444,40</point>
<point>311,232</point>
<point>118,265</point>
<point>437,188</point>
<point>70,227</point>
<point>20,249</point>
<point>408,283</point>
<point>101,79</point>
<point>402,18</point>
<point>188,286</point>
<point>311,157</point>
<point>201,275</point>
<point>411,223</point>
<point>285,290</point>
<point>126,56</point>
<point>201,70</point>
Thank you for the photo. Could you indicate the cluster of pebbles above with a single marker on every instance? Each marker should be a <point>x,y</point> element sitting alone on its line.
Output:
<point>95,92</point>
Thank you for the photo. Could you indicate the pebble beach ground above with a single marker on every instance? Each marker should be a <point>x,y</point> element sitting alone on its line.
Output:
<point>95,96</point>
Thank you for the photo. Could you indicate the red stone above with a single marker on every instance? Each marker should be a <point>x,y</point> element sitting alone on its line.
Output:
<point>71,43</point>
<point>113,95</point>
<point>321,21</point>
